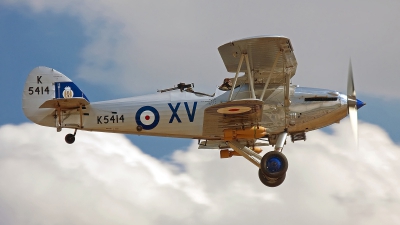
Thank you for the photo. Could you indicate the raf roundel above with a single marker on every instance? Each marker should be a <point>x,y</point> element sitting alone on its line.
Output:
<point>147,117</point>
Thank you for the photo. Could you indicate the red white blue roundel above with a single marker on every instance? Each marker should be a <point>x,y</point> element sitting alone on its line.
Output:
<point>147,117</point>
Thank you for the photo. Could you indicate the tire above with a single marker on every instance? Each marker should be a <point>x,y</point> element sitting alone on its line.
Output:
<point>274,164</point>
<point>271,182</point>
<point>69,138</point>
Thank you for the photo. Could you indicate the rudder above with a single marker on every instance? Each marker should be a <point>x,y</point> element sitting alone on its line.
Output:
<point>45,84</point>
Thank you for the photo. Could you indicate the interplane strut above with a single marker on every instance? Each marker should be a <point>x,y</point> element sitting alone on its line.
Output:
<point>236,76</point>
<point>278,55</point>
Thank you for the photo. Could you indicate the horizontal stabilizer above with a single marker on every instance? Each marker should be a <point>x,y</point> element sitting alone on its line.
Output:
<point>65,103</point>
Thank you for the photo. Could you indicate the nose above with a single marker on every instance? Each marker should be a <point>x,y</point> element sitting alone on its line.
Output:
<point>360,104</point>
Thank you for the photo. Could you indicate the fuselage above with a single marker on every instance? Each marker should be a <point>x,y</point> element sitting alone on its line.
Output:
<point>181,114</point>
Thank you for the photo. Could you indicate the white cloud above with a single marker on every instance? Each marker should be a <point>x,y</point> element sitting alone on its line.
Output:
<point>147,45</point>
<point>104,179</point>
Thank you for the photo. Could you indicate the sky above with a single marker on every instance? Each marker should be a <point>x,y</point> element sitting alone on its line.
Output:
<point>114,49</point>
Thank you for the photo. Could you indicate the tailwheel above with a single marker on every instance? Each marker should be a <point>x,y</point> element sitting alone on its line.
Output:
<point>70,138</point>
<point>269,181</point>
<point>274,164</point>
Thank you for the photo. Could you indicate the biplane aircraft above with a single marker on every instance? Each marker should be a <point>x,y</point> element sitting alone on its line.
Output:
<point>257,107</point>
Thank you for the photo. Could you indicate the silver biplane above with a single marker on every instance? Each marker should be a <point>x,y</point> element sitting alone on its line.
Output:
<point>257,107</point>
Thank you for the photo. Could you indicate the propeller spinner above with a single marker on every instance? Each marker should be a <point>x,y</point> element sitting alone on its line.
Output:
<point>353,104</point>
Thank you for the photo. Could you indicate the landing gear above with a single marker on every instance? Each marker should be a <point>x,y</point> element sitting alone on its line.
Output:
<point>269,181</point>
<point>273,167</point>
<point>274,164</point>
<point>70,138</point>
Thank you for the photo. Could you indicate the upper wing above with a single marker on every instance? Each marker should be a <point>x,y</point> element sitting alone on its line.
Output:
<point>262,53</point>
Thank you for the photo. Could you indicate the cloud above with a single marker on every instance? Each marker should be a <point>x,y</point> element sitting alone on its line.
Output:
<point>104,179</point>
<point>142,46</point>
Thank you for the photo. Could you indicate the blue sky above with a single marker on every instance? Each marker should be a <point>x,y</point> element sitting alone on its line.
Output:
<point>29,39</point>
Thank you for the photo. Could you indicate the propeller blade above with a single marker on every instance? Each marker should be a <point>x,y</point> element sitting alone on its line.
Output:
<point>354,122</point>
<point>352,103</point>
<point>350,82</point>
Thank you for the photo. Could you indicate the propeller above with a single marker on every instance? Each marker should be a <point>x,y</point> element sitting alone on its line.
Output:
<point>353,104</point>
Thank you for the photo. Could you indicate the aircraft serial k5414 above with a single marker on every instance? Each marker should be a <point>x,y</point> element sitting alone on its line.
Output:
<point>259,108</point>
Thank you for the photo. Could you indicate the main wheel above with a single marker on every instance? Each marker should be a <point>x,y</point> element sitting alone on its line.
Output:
<point>69,138</point>
<point>269,181</point>
<point>274,164</point>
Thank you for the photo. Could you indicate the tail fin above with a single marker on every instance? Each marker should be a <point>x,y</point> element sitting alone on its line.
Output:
<point>44,84</point>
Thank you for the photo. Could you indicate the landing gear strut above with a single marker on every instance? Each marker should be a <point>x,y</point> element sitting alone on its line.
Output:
<point>70,138</point>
